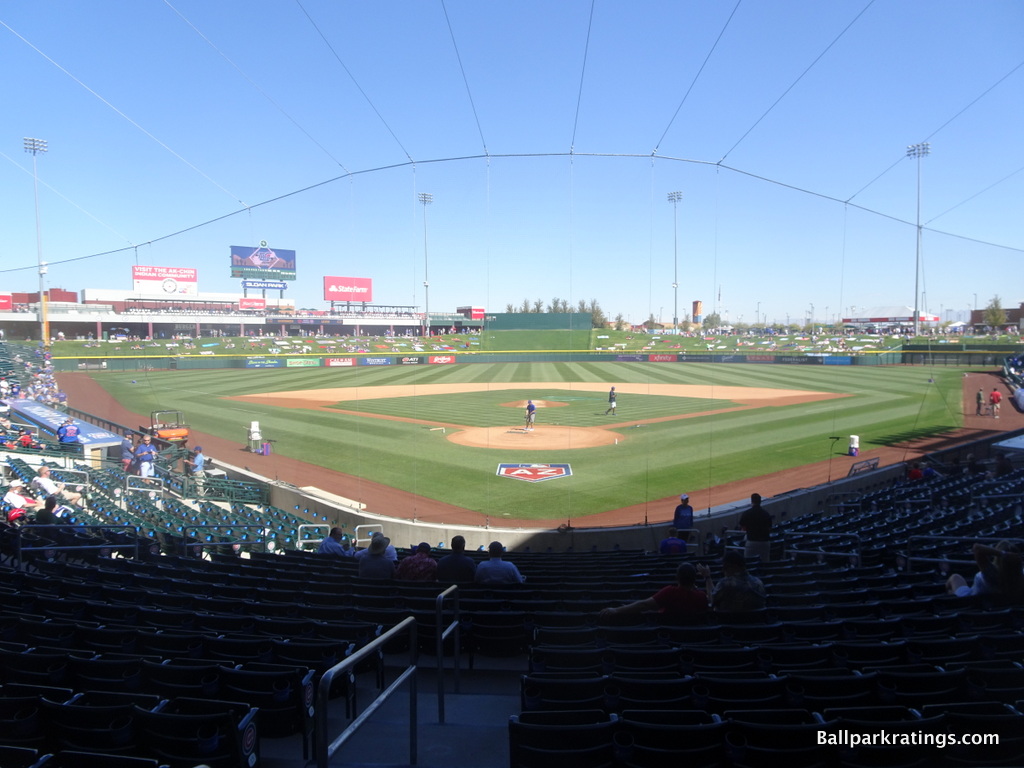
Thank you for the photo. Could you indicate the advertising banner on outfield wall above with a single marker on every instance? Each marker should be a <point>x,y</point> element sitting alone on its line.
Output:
<point>794,360</point>
<point>375,361</point>
<point>302,362</point>
<point>697,358</point>
<point>441,359</point>
<point>662,358</point>
<point>6,302</point>
<point>174,281</point>
<point>340,362</point>
<point>348,288</point>
<point>263,362</point>
<point>838,360</point>
<point>760,358</point>
<point>410,360</point>
<point>630,358</point>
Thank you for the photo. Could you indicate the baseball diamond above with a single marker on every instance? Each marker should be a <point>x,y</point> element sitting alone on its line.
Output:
<point>370,429</point>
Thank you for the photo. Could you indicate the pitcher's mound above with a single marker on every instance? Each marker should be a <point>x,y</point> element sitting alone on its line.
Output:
<point>543,438</point>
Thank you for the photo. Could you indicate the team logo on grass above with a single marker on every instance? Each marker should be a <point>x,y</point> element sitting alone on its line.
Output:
<point>534,473</point>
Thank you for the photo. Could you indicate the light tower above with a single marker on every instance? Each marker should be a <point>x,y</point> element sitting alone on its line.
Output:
<point>35,147</point>
<point>918,151</point>
<point>426,198</point>
<point>674,198</point>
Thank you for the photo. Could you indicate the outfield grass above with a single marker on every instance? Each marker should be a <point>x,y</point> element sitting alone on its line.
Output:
<point>491,408</point>
<point>886,405</point>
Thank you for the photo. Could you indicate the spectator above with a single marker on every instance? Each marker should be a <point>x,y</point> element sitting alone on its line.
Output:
<point>145,457</point>
<point>682,519</point>
<point>999,573</point>
<point>494,570</point>
<point>17,497</point>
<point>915,472</point>
<point>127,452</point>
<point>334,544</point>
<point>757,524</point>
<point>375,564</point>
<point>419,566</point>
<point>737,591</point>
<point>458,566</point>
<point>714,544</point>
<point>672,544</point>
<point>389,551</point>
<point>67,435</point>
<point>49,487</point>
<point>676,601</point>
<point>47,515</point>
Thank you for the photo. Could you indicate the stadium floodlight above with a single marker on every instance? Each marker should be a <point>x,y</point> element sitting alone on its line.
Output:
<point>674,198</point>
<point>35,147</point>
<point>918,151</point>
<point>426,198</point>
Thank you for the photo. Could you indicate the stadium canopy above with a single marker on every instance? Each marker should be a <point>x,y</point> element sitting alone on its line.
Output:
<point>890,316</point>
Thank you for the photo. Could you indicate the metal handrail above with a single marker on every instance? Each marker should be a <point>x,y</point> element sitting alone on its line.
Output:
<point>853,538</point>
<point>324,750</point>
<point>301,543</point>
<point>950,538</point>
<point>442,635</point>
<point>200,544</point>
<point>18,532</point>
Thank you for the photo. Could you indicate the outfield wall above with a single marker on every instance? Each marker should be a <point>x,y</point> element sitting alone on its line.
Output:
<point>361,359</point>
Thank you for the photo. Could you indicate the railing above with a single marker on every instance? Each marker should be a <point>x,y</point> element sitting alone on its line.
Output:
<point>51,547</point>
<point>197,545</point>
<point>951,539</point>
<point>370,528</point>
<point>303,544</point>
<point>443,633</point>
<point>324,750</point>
<point>851,537</point>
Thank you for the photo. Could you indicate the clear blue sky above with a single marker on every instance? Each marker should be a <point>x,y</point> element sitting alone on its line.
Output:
<point>783,123</point>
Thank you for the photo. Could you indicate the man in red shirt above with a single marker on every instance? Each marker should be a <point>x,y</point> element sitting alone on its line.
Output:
<point>676,601</point>
<point>994,400</point>
<point>419,566</point>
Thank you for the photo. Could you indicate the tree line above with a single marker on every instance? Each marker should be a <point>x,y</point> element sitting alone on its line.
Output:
<point>598,319</point>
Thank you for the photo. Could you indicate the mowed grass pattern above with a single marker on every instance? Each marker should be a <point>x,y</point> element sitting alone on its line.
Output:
<point>490,408</point>
<point>885,406</point>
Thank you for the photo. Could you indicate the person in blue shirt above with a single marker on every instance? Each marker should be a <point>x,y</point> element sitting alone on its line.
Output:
<point>67,434</point>
<point>198,462</point>
<point>145,457</point>
<point>127,451</point>
<point>683,516</point>
<point>531,415</point>
<point>333,544</point>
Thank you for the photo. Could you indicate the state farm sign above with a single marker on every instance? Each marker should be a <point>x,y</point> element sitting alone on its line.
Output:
<point>348,289</point>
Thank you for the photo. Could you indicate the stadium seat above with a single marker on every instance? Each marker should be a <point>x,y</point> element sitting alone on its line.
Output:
<point>97,722</point>
<point>282,693</point>
<point>211,732</point>
<point>556,692</point>
<point>670,737</point>
<point>556,739</point>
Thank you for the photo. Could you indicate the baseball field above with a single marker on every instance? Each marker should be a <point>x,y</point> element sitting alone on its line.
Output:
<point>441,431</point>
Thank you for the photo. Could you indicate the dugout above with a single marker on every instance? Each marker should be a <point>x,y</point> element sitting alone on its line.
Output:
<point>93,440</point>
